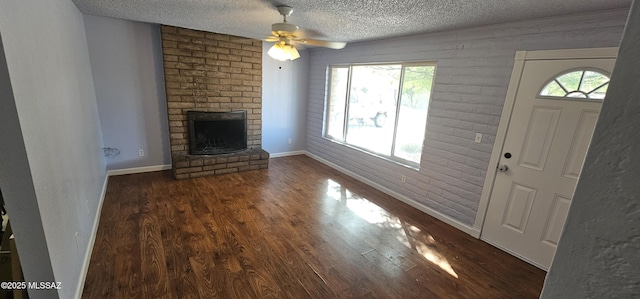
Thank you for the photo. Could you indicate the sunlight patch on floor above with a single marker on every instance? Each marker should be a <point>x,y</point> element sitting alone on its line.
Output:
<point>409,235</point>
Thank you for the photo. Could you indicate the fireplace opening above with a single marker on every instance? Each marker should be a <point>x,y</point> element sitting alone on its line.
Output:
<point>215,133</point>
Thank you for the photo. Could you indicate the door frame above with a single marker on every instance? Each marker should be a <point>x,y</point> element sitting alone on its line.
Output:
<point>520,58</point>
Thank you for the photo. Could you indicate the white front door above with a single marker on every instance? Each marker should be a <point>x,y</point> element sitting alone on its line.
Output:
<point>544,148</point>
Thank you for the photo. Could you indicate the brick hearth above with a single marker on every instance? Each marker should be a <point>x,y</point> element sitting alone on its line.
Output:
<point>212,72</point>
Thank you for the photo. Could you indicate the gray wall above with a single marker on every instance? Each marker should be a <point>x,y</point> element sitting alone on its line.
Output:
<point>598,253</point>
<point>472,76</point>
<point>284,105</point>
<point>54,185</point>
<point>126,61</point>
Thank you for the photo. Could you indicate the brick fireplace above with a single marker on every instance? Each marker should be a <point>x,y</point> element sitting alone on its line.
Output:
<point>210,72</point>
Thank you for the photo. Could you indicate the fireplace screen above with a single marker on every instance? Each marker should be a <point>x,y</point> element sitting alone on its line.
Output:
<point>214,133</point>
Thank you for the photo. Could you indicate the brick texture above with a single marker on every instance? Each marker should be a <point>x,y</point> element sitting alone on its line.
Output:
<point>211,72</point>
<point>473,70</point>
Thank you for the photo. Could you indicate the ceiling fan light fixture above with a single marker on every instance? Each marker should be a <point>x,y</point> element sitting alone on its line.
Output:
<point>283,52</point>
<point>285,35</point>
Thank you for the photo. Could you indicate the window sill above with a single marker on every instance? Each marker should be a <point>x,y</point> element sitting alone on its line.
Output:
<point>406,164</point>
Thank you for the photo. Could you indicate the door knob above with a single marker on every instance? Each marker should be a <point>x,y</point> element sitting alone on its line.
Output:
<point>503,168</point>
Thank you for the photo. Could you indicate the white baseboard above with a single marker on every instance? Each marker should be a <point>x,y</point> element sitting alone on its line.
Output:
<point>286,154</point>
<point>96,221</point>
<point>92,241</point>
<point>429,211</point>
<point>138,170</point>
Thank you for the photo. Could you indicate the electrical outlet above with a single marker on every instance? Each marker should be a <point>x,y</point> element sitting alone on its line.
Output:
<point>478,137</point>
<point>289,140</point>
<point>77,243</point>
<point>403,178</point>
<point>140,153</point>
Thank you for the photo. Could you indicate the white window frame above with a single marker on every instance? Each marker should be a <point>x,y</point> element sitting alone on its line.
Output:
<point>345,129</point>
<point>566,97</point>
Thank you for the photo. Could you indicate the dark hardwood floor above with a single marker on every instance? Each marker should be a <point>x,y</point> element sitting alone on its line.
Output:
<point>297,230</point>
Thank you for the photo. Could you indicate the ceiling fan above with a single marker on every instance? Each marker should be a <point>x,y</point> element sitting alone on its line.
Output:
<point>288,36</point>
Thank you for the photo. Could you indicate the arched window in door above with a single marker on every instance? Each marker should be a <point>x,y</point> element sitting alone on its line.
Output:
<point>577,84</point>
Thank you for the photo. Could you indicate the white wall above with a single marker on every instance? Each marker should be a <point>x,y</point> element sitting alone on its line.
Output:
<point>284,105</point>
<point>473,70</point>
<point>52,168</point>
<point>126,61</point>
<point>598,254</point>
<point>17,185</point>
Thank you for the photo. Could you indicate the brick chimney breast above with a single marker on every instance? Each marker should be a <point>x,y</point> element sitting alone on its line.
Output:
<point>211,72</point>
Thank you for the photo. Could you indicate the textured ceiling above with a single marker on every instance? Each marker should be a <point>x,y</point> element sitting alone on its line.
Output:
<point>339,20</point>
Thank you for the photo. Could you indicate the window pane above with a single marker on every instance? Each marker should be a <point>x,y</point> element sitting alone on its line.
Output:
<point>412,119</point>
<point>336,106</point>
<point>577,94</point>
<point>372,107</point>
<point>570,81</point>
<point>592,80</point>
<point>553,89</point>
<point>600,92</point>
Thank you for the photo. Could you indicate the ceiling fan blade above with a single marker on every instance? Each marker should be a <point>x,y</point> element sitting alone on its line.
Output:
<point>322,43</point>
<point>286,33</point>
<point>299,45</point>
<point>308,33</point>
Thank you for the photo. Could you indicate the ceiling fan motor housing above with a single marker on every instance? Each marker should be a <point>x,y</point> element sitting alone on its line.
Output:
<point>285,10</point>
<point>284,27</point>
